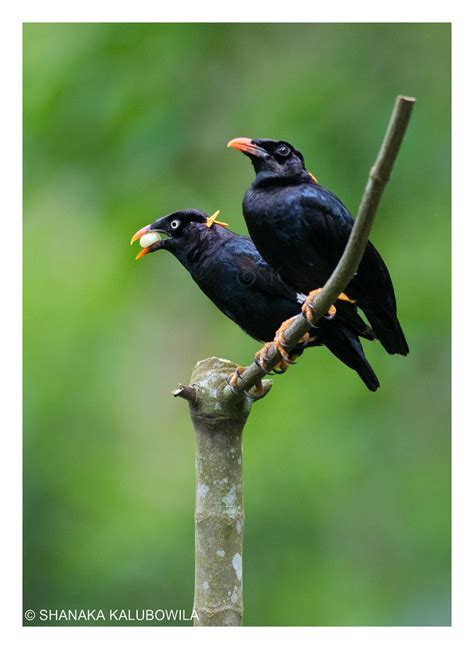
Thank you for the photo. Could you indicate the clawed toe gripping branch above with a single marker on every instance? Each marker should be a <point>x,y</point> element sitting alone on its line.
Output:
<point>220,398</point>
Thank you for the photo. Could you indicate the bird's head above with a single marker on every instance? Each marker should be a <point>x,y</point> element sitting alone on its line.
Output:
<point>271,158</point>
<point>176,232</point>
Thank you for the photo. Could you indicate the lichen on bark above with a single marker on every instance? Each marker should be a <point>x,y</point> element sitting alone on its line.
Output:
<point>218,418</point>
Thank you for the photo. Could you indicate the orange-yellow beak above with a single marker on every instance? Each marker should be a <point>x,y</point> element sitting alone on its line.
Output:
<point>246,145</point>
<point>142,253</point>
<point>139,234</point>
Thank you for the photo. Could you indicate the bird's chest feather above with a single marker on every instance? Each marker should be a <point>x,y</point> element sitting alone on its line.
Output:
<point>272,216</point>
<point>276,224</point>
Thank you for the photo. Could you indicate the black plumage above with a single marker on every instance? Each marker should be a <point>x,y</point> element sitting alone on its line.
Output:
<point>231,272</point>
<point>301,230</point>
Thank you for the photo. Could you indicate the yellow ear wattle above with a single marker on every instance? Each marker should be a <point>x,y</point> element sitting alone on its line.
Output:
<point>211,220</point>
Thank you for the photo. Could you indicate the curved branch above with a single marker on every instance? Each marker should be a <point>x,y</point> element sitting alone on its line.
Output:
<point>219,415</point>
<point>349,262</point>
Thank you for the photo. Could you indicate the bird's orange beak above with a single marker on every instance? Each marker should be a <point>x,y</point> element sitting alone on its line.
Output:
<point>139,233</point>
<point>246,145</point>
<point>142,253</point>
<point>243,144</point>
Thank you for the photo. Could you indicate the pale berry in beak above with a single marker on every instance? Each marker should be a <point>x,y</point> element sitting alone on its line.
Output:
<point>149,239</point>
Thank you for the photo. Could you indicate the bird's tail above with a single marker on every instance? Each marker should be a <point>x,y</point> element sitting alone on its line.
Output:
<point>346,346</point>
<point>389,331</point>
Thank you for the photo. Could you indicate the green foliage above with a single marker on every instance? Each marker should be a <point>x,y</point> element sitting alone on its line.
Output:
<point>347,492</point>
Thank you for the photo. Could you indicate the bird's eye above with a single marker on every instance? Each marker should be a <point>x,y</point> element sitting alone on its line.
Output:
<point>283,150</point>
<point>175,224</point>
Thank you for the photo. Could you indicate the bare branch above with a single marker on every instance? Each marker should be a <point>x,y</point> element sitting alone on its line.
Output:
<point>185,392</point>
<point>219,412</point>
<point>349,262</point>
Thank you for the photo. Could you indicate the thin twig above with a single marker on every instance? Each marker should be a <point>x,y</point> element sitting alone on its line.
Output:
<point>349,262</point>
<point>185,392</point>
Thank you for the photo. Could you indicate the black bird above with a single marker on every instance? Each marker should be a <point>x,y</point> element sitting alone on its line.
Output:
<point>301,229</point>
<point>231,272</point>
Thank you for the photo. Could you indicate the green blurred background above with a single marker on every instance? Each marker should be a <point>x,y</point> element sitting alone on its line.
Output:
<point>347,493</point>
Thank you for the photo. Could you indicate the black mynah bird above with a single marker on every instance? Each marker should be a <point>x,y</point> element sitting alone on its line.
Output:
<point>301,229</point>
<point>231,272</point>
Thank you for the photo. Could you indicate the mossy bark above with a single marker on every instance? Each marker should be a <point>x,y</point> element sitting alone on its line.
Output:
<point>218,417</point>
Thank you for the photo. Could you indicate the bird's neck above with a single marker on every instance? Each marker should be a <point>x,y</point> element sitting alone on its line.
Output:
<point>202,246</point>
<point>270,179</point>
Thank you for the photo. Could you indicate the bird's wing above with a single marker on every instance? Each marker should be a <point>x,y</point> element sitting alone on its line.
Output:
<point>257,274</point>
<point>327,221</point>
<point>329,225</point>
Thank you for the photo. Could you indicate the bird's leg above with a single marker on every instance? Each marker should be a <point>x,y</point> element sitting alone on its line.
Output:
<point>307,338</point>
<point>282,366</point>
<point>261,357</point>
<point>258,391</point>
<point>261,361</point>
<point>308,311</point>
<point>280,341</point>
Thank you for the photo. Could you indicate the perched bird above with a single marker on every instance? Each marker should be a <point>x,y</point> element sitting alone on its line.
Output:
<point>301,229</point>
<point>231,272</point>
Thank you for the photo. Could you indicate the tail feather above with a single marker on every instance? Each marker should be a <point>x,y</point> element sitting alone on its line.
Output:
<point>349,314</point>
<point>346,346</point>
<point>389,331</point>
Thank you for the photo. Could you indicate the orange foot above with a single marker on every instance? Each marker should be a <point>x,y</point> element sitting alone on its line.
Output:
<point>308,311</point>
<point>282,366</point>
<point>280,341</point>
<point>261,357</point>
<point>262,361</point>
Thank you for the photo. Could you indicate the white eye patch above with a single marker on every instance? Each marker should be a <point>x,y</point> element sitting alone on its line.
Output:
<point>149,239</point>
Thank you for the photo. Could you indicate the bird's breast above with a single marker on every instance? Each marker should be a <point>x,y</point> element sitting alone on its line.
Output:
<point>276,222</point>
